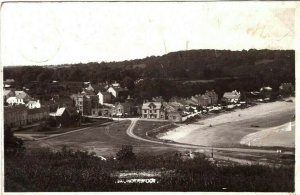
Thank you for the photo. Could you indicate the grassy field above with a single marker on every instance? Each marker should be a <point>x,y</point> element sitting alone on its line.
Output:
<point>145,126</point>
<point>103,140</point>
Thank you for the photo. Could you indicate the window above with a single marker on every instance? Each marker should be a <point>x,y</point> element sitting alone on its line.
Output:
<point>174,117</point>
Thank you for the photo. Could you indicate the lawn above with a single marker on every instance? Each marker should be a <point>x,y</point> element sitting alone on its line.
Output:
<point>103,140</point>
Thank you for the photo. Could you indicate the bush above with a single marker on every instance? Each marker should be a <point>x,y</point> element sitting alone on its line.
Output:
<point>125,154</point>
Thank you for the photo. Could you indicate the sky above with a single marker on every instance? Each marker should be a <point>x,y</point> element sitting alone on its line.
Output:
<point>66,33</point>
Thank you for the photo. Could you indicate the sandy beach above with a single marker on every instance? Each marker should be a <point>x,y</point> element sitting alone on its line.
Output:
<point>232,128</point>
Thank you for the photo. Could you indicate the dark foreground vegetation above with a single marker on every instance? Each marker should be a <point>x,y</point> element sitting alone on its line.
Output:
<point>44,170</point>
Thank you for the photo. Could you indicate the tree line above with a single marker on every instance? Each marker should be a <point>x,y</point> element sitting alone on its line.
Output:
<point>166,75</point>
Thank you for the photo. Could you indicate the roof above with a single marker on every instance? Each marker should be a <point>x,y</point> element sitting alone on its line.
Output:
<point>21,94</point>
<point>232,95</point>
<point>90,88</point>
<point>266,88</point>
<point>6,92</point>
<point>147,105</point>
<point>104,93</point>
<point>115,85</point>
<point>11,99</point>
<point>118,89</point>
<point>60,111</point>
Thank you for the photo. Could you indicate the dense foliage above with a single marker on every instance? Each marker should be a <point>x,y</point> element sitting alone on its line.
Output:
<point>170,74</point>
<point>66,170</point>
<point>12,144</point>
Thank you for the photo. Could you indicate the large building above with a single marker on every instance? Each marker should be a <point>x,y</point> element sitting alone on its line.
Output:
<point>15,116</point>
<point>153,110</point>
<point>86,104</point>
<point>124,109</point>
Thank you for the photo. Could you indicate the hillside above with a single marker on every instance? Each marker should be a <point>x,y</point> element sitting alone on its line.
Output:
<point>182,73</point>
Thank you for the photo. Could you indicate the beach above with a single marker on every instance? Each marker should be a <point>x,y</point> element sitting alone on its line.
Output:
<point>232,128</point>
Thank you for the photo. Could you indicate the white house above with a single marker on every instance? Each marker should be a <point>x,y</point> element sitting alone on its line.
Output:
<point>20,97</point>
<point>116,91</point>
<point>34,104</point>
<point>232,97</point>
<point>153,110</point>
<point>104,97</point>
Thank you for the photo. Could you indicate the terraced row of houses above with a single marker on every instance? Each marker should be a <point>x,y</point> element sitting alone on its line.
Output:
<point>103,99</point>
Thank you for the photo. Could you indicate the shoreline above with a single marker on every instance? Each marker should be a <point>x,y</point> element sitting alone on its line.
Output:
<point>229,128</point>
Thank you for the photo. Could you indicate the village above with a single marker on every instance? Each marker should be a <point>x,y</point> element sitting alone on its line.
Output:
<point>112,101</point>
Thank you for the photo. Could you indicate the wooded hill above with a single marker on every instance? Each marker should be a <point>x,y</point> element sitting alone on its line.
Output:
<point>249,70</point>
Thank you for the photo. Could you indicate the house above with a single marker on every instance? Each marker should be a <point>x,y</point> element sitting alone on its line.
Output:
<point>230,97</point>
<point>124,109</point>
<point>104,97</point>
<point>33,104</point>
<point>266,92</point>
<point>20,97</point>
<point>201,100</point>
<point>118,91</point>
<point>213,97</point>
<point>66,116</point>
<point>15,116</point>
<point>86,104</point>
<point>37,114</point>
<point>173,113</point>
<point>153,110</point>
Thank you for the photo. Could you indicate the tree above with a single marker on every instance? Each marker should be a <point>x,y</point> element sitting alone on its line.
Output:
<point>125,153</point>
<point>12,144</point>
<point>128,82</point>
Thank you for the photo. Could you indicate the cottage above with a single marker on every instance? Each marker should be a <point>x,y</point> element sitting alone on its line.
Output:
<point>66,116</point>
<point>20,97</point>
<point>173,113</point>
<point>231,97</point>
<point>124,109</point>
<point>33,104</point>
<point>201,100</point>
<point>153,110</point>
